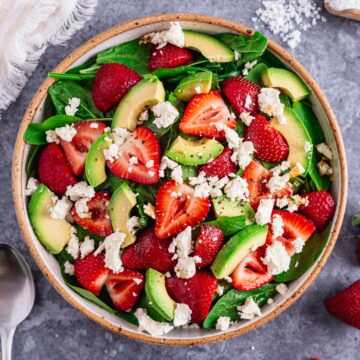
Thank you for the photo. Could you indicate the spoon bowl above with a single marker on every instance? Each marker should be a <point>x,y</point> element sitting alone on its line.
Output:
<point>17,294</point>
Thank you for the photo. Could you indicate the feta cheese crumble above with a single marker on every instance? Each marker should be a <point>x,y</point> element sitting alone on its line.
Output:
<point>324,150</point>
<point>132,224</point>
<point>263,213</point>
<point>276,258</point>
<point>299,244</point>
<point>174,36</point>
<point>61,208</point>
<point>246,118</point>
<point>182,315</point>
<point>86,247</point>
<point>72,107</point>
<point>94,125</point>
<point>270,104</point>
<point>237,189</point>
<point>277,183</point>
<point>222,323</point>
<point>324,168</point>
<point>144,116</point>
<point>281,289</point>
<point>176,170</point>
<point>66,132</point>
<point>154,328</point>
<point>69,268</point>
<point>51,137</point>
<point>249,310</point>
<point>297,170</point>
<point>31,186</point>
<point>82,208</point>
<point>277,226</point>
<point>73,246</point>
<point>248,66</point>
<point>80,190</point>
<point>165,114</point>
<point>307,146</point>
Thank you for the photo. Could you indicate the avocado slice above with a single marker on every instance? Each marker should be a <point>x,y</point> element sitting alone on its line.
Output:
<point>287,82</point>
<point>237,248</point>
<point>210,47</point>
<point>121,203</point>
<point>157,294</point>
<point>143,95</point>
<point>194,152</point>
<point>296,135</point>
<point>199,83</point>
<point>95,161</point>
<point>224,207</point>
<point>54,234</point>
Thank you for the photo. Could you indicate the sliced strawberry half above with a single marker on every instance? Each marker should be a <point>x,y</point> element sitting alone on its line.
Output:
<point>208,244</point>
<point>112,82</point>
<point>269,144</point>
<point>251,273</point>
<point>196,292</point>
<point>203,112</point>
<point>99,220</point>
<point>142,147</point>
<point>124,288</point>
<point>91,273</point>
<point>53,169</point>
<point>220,166</point>
<point>257,176</point>
<point>242,94</point>
<point>169,56</point>
<point>149,252</point>
<point>175,213</point>
<point>76,150</point>
<point>320,208</point>
<point>295,227</point>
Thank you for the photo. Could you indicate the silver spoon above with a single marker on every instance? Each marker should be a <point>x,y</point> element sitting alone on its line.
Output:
<point>17,295</point>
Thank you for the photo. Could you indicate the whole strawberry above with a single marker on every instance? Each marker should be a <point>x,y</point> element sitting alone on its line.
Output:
<point>346,305</point>
<point>269,144</point>
<point>320,208</point>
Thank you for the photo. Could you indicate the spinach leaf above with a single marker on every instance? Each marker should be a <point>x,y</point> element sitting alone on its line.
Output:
<point>81,233</point>
<point>180,70</point>
<point>254,74</point>
<point>62,90</point>
<point>32,160</point>
<point>111,183</point>
<point>304,260</point>
<point>145,304</point>
<point>356,220</point>
<point>230,225</point>
<point>249,48</point>
<point>228,303</point>
<point>131,54</point>
<point>77,69</point>
<point>128,316</point>
<point>75,77</point>
<point>285,100</point>
<point>272,59</point>
<point>320,182</point>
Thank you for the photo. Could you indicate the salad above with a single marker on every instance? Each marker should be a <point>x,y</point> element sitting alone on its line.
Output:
<point>180,179</point>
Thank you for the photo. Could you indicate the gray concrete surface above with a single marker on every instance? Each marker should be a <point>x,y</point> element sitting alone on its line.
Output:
<point>54,330</point>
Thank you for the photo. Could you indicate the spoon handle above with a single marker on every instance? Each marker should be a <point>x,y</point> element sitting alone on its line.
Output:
<point>6,342</point>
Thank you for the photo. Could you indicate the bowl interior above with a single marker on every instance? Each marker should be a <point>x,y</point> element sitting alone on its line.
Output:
<point>51,268</point>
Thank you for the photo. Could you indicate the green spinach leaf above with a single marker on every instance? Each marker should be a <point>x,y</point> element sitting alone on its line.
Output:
<point>230,225</point>
<point>356,220</point>
<point>32,160</point>
<point>81,233</point>
<point>254,74</point>
<point>301,262</point>
<point>145,304</point>
<point>228,303</point>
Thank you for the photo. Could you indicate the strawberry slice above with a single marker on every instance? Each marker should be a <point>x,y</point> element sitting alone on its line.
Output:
<point>269,144</point>
<point>124,288</point>
<point>220,166</point>
<point>111,83</point>
<point>76,150</point>
<point>175,213</point>
<point>196,292</point>
<point>346,305</point>
<point>169,56</point>
<point>149,252</point>
<point>203,112</point>
<point>242,94</point>
<point>99,220</point>
<point>320,209</point>
<point>91,273</point>
<point>208,244</point>
<point>141,147</point>
<point>251,273</point>
<point>256,176</point>
<point>295,227</point>
<point>53,169</point>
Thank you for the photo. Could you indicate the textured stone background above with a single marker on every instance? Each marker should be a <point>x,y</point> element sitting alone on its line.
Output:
<point>54,330</point>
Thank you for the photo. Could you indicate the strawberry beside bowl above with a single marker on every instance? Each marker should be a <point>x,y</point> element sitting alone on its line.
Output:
<point>36,113</point>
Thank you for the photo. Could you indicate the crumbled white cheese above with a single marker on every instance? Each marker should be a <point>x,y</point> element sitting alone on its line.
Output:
<point>182,315</point>
<point>182,243</point>
<point>144,116</point>
<point>222,323</point>
<point>154,328</point>
<point>80,190</point>
<point>73,247</point>
<point>69,268</point>
<point>177,175</point>
<point>149,209</point>
<point>149,164</point>
<point>197,89</point>
<point>132,224</point>
<point>248,66</point>
<point>295,201</point>
<point>264,210</point>
<point>282,202</point>
<point>120,135</point>
<point>207,186</point>
<point>66,132</point>
<point>111,153</point>
<point>282,289</point>
<point>249,310</point>
<point>277,226</point>
<point>176,170</point>
<point>82,208</point>
<point>298,244</point>
<point>165,114</point>
<point>112,245</point>
<point>61,208</point>
<point>186,267</point>
<point>324,168</point>
<point>86,247</point>
<point>133,160</point>
<point>108,129</point>
<point>269,301</point>
<point>72,107</point>
<point>307,146</point>
<point>228,279</point>
<point>278,169</point>
<point>270,104</point>
<point>324,150</point>
<point>31,186</point>
<point>277,183</point>
<point>276,258</point>
<point>248,102</point>
<point>246,118</point>
<point>137,281</point>
<point>51,137</point>
<point>297,170</point>
<point>174,36</point>
<point>94,125</point>
<point>237,189</point>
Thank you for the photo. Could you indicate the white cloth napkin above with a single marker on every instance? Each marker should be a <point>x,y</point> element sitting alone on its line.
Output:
<point>27,27</point>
